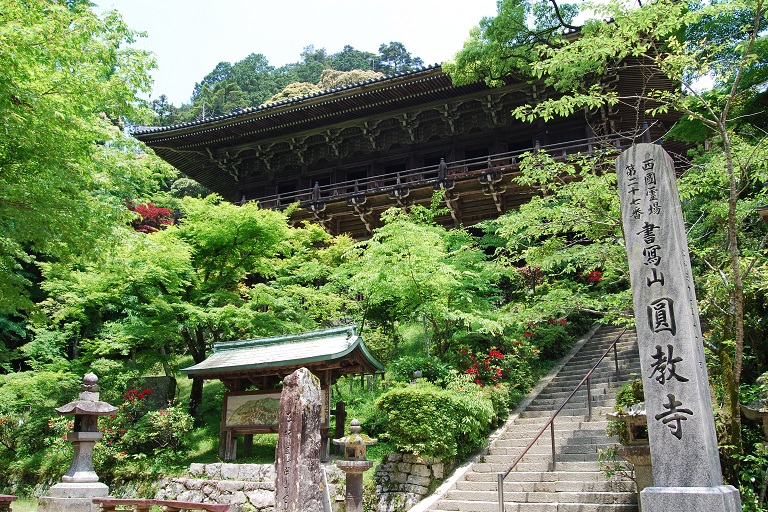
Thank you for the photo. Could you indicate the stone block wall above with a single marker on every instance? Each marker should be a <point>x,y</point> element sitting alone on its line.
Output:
<point>404,479</point>
<point>246,487</point>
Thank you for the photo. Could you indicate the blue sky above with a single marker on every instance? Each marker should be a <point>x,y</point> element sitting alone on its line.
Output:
<point>189,37</point>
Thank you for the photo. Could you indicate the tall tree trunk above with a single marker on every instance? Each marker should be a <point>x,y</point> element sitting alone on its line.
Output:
<point>196,343</point>
<point>196,402</point>
<point>735,297</point>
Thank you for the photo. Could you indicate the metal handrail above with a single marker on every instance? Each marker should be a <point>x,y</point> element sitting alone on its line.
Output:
<point>501,475</point>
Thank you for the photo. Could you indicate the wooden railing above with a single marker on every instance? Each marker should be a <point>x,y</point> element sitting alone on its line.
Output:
<point>425,176</point>
<point>551,422</point>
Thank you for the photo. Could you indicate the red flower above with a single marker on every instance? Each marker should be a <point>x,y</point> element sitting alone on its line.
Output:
<point>594,277</point>
<point>528,334</point>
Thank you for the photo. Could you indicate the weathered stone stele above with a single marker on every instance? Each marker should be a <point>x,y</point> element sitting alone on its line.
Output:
<point>681,429</point>
<point>299,484</point>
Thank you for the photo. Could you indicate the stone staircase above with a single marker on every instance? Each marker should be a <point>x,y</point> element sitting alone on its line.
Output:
<point>577,485</point>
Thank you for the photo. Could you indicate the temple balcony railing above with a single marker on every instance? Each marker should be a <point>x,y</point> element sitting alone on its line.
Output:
<point>504,163</point>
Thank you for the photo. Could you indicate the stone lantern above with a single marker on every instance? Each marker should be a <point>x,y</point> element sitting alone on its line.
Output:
<point>80,483</point>
<point>758,409</point>
<point>637,451</point>
<point>354,464</point>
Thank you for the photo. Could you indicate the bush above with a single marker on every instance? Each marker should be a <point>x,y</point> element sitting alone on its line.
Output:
<point>551,338</point>
<point>629,394</point>
<point>431,368</point>
<point>501,400</point>
<point>445,423</point>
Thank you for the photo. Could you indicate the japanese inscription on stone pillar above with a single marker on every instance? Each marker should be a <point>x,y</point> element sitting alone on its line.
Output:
<point>679,410</point>
<point>299,475</point>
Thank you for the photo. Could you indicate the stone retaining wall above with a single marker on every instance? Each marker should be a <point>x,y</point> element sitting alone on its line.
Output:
<point>247,487</point>
<point>405,479</point>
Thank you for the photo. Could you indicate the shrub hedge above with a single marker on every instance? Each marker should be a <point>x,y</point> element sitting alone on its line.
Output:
<point>428,420</point>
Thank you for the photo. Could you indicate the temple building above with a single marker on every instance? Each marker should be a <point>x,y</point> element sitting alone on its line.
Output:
<point>346,155</point>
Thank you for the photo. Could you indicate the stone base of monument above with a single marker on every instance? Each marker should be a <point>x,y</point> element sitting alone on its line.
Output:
<point>723,498</point>
<point>72,497</point>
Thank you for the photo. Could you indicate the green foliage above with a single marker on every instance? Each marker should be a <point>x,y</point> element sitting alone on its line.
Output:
<point>678,44</point>
<point>432,369</point>
<point>445,423</point>
<point>56,196</point>
<point>563,251</point>
<point>360,403</point>
<point>629,394</point>
<point>413,270</point>
<point>753,478</point>
<point>222,272</point>
<point>507,44</point>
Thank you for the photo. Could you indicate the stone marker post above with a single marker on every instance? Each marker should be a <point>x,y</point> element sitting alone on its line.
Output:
<point>299,476</point>
<point>681,428</point>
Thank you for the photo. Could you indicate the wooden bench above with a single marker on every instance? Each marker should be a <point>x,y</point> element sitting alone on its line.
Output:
<point>137,505</point>
<point>109,504</point>
<point>5,501</point>
<point>175,506</point>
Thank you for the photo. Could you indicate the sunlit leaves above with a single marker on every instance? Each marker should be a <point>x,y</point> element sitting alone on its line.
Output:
<point>65,74</point>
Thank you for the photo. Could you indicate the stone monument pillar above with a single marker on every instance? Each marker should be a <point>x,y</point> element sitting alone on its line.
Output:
<point>80,483</point>
<point>681,428</point>
<point>299,476</point>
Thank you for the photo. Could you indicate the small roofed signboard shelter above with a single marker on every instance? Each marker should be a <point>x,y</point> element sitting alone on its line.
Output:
<point>263,363</point>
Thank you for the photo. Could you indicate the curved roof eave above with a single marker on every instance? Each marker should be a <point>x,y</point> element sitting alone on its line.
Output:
<point>242,348</point>
<point>289,104</point>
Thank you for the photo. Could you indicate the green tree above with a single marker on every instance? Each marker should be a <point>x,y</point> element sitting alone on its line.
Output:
<point>257,79</point>
<point>566,245</point>
<point>221,73</point>
<point>223,272</point>
<point>394,58</point>
<point>165,112</point>
<point>349,58</point>
<point>413,270</point>
<point>67,78</point>
<point>506,45</point>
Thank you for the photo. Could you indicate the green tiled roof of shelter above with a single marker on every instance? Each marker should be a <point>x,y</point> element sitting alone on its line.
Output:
<point>293,350</point>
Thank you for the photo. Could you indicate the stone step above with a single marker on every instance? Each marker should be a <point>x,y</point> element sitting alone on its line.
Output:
<point>568,413</point>
<point>521,425</point>
<point>608,380</point>
<point>538,457</point>
<point>601,498</point>
<point>539,465</point>
<point>625,367</point>
<point>554,486</point>
<point>540,476</point>
<point>575,403</point>
<point>561,394</point>
<point>592,354</point>
<point>493,506</point>
<point>571,438</point>
<point>578,485</point>
<point>540,417</point>
<point>561,448</point>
